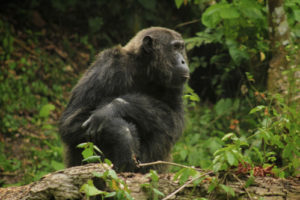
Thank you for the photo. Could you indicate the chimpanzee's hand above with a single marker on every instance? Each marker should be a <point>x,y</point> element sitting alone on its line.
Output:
<point>95,122</point>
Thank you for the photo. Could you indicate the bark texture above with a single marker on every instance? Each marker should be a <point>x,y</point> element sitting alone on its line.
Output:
<point>282,60</point>
<point>279,37</point>
<point>65,184</point>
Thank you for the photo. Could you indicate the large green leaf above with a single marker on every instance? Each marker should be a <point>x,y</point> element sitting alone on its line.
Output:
<point>211,17</point>
<point>229,12</point>
<point>257,108</point>
<point>230,158</point>
<point>250,9</point>
<point>90,190</point>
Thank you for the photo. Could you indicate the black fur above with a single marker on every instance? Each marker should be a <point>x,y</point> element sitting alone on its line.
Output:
<point>129,102</point>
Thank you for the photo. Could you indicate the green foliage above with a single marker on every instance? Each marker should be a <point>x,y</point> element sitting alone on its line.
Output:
<point>204,131</point>
<point>31,87</point>
<point>278,136</point>
<point>190,97</point>
<point>113,182</point>
<point>184,174</point>
<point>90,152</point>
<point>227,189</point>
<point>22,93</point>
<point>229,155</point>
<point>238,31</point>
<point>258,129</point>
<point>269,134</point>
<point>89,189</point>
<point>8,164</point>
<point>292,9</point>
<point>235,25</point>
<point>231,132</point>
<point>46,109</point>
<point>151,188</point>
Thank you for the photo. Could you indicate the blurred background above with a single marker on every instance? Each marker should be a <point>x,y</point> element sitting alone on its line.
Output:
<point>242,101</point>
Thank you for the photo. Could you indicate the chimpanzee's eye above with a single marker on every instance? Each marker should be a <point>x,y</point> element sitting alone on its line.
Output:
<point>178,44</point>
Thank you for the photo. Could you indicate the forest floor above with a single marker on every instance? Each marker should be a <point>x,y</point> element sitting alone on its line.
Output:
<point>27,146</point>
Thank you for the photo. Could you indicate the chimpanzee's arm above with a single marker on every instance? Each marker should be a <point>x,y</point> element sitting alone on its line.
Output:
<point>157,125</point>
<point>102,81</point>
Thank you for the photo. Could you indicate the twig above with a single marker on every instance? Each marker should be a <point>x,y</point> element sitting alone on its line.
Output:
<point>167,163</point>
<point>187,23</point>
<point>184,185</point>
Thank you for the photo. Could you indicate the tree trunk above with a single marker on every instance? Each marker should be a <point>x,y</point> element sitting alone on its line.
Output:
<point>65,184</point>
<point>282,59</point>
<point>279,37</point>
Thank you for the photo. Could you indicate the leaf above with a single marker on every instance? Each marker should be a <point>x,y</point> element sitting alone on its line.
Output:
<point>211,186</point>
<point>90,190</point>
<point>92,159</point>
<point>227,136</point>
<point>250,9</point>
<point>183,154</point>
<point>178,3</point>
<point>253,13</point>
<point>229,12</point>
<point>238,54</point>
<point>111,194</point>
<point>97,149</point>
<point>211,16</point>
<point>249,181</point>
<point>202,38</point>
<point>184,176</point>
<point>156,191</point>
<point>57,165</point>
<point>230,158</point>
<point>87,152</point>
<point>107,162</point>
<point>297,15</point>
<point>258,154</point>
<point>82,145</point>
<point>154,175</point>
<point>223,106</point>
<point>256,109</point>
<point>228,189</point>
<point>194,97</point>
<point>128,196</point>
<point>46,109</point>
<point>112,174</point>
<point>287,151</point>
<point>98,174</point>
<point>214,144</point>
<point>199,180</point>
<point>178,174</point>
<point>217,166</point>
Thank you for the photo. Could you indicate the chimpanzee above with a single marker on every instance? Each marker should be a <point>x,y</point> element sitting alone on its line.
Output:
<point>129,102</point>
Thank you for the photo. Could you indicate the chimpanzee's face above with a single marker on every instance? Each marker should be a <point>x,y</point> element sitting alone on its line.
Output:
<point>168,57</point>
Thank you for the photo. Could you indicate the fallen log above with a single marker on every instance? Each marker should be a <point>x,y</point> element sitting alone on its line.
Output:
<point>65,184</point>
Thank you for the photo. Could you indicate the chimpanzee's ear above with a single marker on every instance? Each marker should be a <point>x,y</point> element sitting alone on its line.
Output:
<point>148,43</point>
